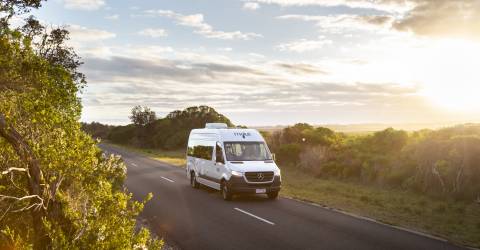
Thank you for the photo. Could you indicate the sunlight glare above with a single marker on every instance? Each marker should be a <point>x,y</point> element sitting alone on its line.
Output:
<point>451,75</point>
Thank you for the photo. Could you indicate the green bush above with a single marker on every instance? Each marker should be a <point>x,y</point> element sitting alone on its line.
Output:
<point>122,134</point>
<point>443,163</point>
<point>289,153</point>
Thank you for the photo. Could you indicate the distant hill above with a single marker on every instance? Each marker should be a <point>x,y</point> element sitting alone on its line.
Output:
<point>371,127</point>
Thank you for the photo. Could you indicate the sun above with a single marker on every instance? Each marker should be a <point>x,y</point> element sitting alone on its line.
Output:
<point>451,75</point>
<point>457,97</point>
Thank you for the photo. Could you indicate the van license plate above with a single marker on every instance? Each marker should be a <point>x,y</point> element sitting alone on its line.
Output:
<point>260,191</point>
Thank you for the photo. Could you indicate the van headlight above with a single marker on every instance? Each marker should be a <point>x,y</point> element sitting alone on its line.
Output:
<point>277,172</point>
<point>236,173</point>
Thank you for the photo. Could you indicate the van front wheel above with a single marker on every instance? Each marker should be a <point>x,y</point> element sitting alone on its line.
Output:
<point>193,180</point>
<point>272,195</point>
<point>226,194</point>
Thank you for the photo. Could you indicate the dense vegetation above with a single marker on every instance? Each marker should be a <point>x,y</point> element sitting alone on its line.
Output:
<point>57,190</point>
<point>443,163</point>
<point>170,132</point>
<point>442,214</point>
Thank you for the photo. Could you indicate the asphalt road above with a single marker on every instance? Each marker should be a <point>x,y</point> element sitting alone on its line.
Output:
<point>201,219</point>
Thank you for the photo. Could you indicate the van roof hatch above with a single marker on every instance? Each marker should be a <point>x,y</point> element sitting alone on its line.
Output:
<point>216,125</point>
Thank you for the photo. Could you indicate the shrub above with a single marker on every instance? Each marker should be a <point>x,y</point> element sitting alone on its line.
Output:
<point>289,153</point>
<point>122,134</point>
<point>314,157</point>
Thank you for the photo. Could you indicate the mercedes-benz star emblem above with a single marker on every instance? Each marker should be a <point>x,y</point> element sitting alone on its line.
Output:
<point>260,176</point>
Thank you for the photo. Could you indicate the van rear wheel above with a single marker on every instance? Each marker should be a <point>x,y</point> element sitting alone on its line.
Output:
<point>226,194</point>
<point>193,180</point>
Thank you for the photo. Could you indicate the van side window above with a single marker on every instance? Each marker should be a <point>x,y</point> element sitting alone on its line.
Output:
<point>219,154</point>
<point>202,150</point>
<point>190,147</point>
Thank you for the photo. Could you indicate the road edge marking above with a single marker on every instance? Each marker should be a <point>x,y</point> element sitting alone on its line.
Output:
<point>165,178</point>
<point>135,165</point>
<point>360,217</point>
<point>254,216</point>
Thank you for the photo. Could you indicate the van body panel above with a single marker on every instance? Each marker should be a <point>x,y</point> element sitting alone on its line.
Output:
<point>252,166</point>
<point>241,144</point>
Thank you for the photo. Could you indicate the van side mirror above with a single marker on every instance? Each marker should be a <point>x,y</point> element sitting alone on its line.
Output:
<point>273,156</point>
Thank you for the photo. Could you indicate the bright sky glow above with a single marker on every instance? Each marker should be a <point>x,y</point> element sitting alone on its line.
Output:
<point>269,62</point>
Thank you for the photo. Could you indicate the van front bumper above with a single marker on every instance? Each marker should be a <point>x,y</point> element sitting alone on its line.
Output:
<point>238,185</point>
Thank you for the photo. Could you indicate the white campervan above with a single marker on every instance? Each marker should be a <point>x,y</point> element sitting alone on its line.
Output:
<point>233,160</point>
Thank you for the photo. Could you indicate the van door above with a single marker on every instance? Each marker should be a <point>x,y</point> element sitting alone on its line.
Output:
<point>209,162</point>
<point>204,151</point>
<point>219,162</point>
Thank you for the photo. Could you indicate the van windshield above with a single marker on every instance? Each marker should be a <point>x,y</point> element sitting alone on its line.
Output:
<point>247,151</point>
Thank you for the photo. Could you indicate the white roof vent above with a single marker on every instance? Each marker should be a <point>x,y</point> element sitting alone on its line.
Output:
<point>216,125</point>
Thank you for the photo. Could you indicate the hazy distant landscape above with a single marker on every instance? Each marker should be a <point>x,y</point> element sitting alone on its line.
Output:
<point>369,127</point>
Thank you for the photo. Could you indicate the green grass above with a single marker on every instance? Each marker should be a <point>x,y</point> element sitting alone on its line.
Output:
<point>459,222</point>
<point>456,221</point>
<point>176,158</point>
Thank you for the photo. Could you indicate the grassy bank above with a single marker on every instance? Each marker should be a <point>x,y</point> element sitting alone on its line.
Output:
<point>176,158</point>
<point>456,221</point>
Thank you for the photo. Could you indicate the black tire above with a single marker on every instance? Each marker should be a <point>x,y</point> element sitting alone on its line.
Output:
<point>193,180</point>
<point>226,194</point>
<point>272,195</point>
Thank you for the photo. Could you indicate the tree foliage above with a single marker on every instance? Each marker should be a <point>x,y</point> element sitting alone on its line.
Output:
<point>170,132</point>
<point>443,163</point>
<point>57,189</point>
<point>10,8</point>
<point>142,116</point>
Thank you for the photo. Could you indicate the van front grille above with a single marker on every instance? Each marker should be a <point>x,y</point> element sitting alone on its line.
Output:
<point>259,176</point>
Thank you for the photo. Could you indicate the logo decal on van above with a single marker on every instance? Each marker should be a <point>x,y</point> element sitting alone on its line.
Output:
<point>260,176</point>
<point>242,134</point>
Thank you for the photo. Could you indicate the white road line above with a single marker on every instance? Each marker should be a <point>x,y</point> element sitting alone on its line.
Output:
<point>165,178</point>
<point>135,165</point>
<point>254,216</point>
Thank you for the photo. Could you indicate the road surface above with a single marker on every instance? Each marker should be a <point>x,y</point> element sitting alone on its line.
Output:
<point>201,219</point>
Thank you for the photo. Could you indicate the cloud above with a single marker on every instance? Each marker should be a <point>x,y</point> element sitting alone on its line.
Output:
<point>82,34</point>
<point>257,56</point>
<point>168,78</point>
<point>443,18</point>
<point>301,68</point>
<point>344,23</point>
<point>197,22</point>
<point>386,5</point>
<point>304,45</point>
<point>226,49</point>
<point>84,4</point>
<point>120,82</point>
<point>251,6</point>
<point>112,17</point>
<point>434,18</point>
<point>155,33</point>
<point>102,69</point>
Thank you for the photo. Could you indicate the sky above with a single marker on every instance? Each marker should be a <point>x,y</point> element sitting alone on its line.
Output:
<point>278,62</point>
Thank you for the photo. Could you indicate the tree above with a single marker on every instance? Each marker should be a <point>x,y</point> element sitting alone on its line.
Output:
<point>294,134</point>
<point>10,8</point>
<point>319,136</point>
<point>142,116</point>
<point>172,131</point>
<point>57,189</point>
<point>97,130</point>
